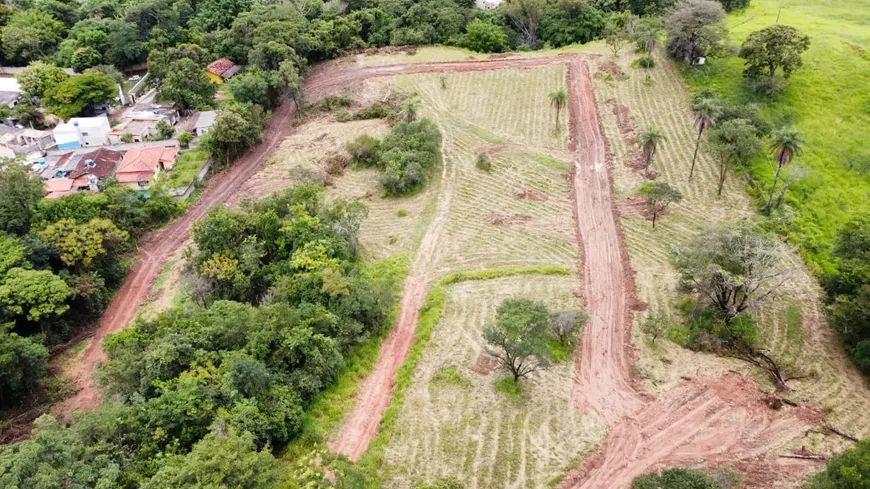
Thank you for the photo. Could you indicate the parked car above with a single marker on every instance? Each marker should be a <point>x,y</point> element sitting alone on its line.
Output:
<point>134,78</point>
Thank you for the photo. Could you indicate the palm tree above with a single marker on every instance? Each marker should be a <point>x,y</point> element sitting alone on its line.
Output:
<point>786,144</point>
<point>647,35</point>
<point>649,140</point>
<point>705,118</point>
<point>409,109</point>
<point>558,100</point>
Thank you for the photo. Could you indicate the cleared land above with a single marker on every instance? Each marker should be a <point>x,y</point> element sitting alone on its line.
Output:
<point>454,423</point>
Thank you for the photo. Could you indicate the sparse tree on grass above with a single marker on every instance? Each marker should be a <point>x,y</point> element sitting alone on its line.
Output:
<point>655,325</point>
<point>734,265</point>
<point>649,141</point>
<point>705,110</point>
<point>647,34</point>
<point>409,109</point>
<point>564,325</point>
<point>659,196</point>
<point>733,142</point>
<point>558,100</point>
<point>786,145</point>
<point>736,268</point>
<point>519,337</point>
<point>776,47</point>
<point>695,28</point>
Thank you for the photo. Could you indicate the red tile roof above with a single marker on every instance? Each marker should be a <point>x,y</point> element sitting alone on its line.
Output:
<point>105,160</point>
<point>58,184</point>
<point>221,66</point>
<point>143,162</point>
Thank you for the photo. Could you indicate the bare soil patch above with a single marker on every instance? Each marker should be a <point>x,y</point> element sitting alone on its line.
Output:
<point>484,364</point>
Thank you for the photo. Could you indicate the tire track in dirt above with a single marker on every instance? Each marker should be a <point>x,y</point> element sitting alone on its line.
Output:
<point>702,421</point>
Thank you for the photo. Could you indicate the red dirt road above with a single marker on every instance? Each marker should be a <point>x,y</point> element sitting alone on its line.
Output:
<point>701,422</point>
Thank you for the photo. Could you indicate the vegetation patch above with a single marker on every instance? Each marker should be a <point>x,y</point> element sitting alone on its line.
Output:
<point>188,165</point>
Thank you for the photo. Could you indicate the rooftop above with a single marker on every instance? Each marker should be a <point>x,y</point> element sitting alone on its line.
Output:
<point>221,66</point>
<point>206,118</point>
<point>144,160</point>
<point>82,122</point>
<point>9,98</point>
<point>103,161</point>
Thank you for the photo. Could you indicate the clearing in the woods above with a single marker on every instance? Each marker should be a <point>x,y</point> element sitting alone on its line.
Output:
<point>555,202</point>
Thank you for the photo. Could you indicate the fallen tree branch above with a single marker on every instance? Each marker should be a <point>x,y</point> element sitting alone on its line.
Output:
<point>804,456</point>
<point>842,433</point>
<point>790,403</point>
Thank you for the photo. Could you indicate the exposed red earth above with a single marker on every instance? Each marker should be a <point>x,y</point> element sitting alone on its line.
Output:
<point>700,422</point>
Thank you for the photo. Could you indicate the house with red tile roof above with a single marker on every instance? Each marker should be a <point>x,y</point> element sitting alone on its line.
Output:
<point>221,70</point>
<point>59,187</point>
<point>141,165</point>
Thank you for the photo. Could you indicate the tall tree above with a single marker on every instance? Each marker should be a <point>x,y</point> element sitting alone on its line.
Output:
<point>776,47</point>
<point>30,35</point>
<point>558,100</point>
<point>787,143</point>
<point>695,28</point>
<point>187,85</point>
<point>647,35</point>
<point>33,294</point>
<point>80,245</point>
<point>526,15</point>
<point>649,141</point>
<point>706,110</point>
<point>659,196</point>
<point>733,142</point>
<point>78,95</point>
<point>39,78</point>
<point>519,337</point>
<point>20,193</point>
<point>23,366</point>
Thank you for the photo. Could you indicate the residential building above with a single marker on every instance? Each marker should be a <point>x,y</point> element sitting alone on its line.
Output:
<point>10,99</point>
<point>139,129</point>
<point>141,165</point>
<point>204,121</point>
<point>59,187</point>
<point>82,132</point>
<point>167,111</point>
<point>23,141</point>
<point>96,166</point>
<point>221,70</point>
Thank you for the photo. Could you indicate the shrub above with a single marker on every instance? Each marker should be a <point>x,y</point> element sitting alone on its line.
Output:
<point>185,138</point>
<point>364,151</point>
<point>401,213</point>
<point>408,153</point>
<point>483,163</point>
<point>484,37</point>
<point>676,479</point>
<point>644,62</point>
<point>126,137</point>
<point>331,102</point>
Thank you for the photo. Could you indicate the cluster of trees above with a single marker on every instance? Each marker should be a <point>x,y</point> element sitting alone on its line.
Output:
<point>521,335</point>
<point>198,396</point>
<point>59,262</point>
<point>406,155</point>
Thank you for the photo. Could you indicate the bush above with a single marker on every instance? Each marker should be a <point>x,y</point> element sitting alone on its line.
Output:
<point>331,102</point>
<point>677,479</point>
<point>408,153</point>
<point>364,151</point>
<point>185,138</point>
<point>644,62</point>
<point>849,470</point>
<point>484,37</point>
<point>483,163</point>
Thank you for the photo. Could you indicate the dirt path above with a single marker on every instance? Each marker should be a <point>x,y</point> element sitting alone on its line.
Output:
<point>702,421</point>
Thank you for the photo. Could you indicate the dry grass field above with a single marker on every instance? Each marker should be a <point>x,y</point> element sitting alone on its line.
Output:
<point>453,422</point>
<point>791,324</point>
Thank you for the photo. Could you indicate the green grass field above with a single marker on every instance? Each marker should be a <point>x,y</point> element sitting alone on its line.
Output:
<point>828,100</point>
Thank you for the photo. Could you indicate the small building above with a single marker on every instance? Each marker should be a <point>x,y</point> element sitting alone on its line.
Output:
<point>82,132</point>
<point>221,70</point>
<point>141,165</point>
<point>139,129</point>
<point>10,99</point>
<point>59,187</point>
<point>167,112</point>
<point>23,141</point>
<point>204,121</point>
<point>96,166</point>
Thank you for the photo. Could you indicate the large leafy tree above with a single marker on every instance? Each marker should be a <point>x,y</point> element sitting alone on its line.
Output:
<point>23,366</point>
<point>849,470</point>
<point>695,28</point>
<point>30,35</point>
<point>659,196</point>
<point>526,15</point>
<point>776,48</point>
<point>33,294</point>
<point>519,337</point>
<point>160,61</point>
<point>224,458</point>
<point>484,37</point>
<point>39,78</point>
<point>187,85</point>
<point>80,245</point>
<point>230,137</point>
<point>734,266</point>
<point>571,21</point>
<point>78,95</point>
<point>734,142</point>
<point>849,289</point>
<point>20,193</point>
